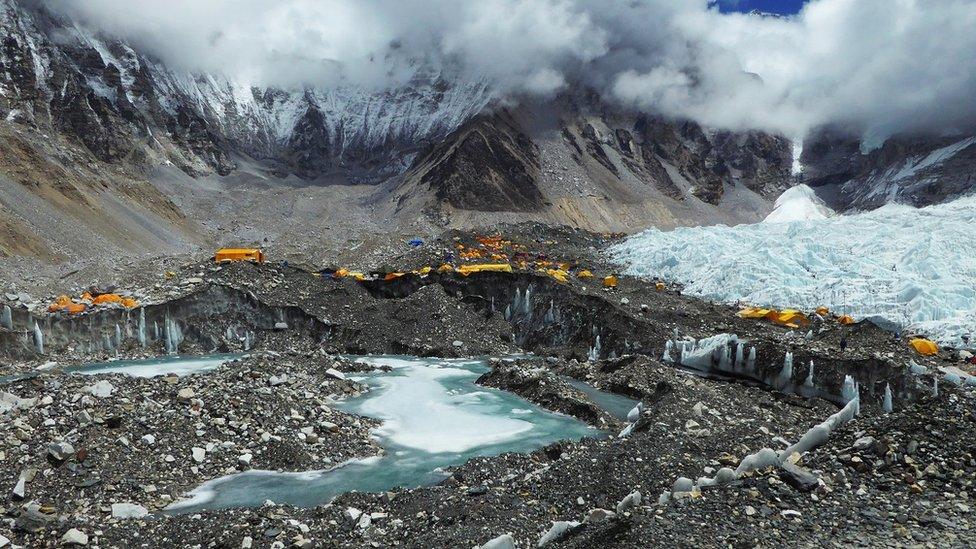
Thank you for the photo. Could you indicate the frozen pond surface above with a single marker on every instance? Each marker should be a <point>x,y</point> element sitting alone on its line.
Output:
<point>433,416</point>
<point>152,367</point>
<point>149,367</point>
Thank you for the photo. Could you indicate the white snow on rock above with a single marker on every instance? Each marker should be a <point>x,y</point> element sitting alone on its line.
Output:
<point>912,267</point>
<point>798,203</point>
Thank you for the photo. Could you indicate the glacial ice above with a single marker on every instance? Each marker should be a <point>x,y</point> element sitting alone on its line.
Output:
<point>558,530</point>
<point>887,404</point>
<point>594,353</point>
<point>705,353</point>
<point>799,203</point>
<point>786,374</point>
<point>635,412</point>
<point>6,318</point>
<point>912,267</point>
<point>848,391</point>
<point>174,336</point>
<point>916,368</point>
<point>142,328</point>
<point>38,339</point>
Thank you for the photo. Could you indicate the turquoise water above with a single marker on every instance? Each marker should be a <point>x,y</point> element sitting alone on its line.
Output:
<point>615,405</point>
<point>433,416</point>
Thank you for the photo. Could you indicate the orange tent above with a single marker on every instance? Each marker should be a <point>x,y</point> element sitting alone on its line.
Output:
<point>75,308</point>
<point>239,254</point>
<point>60,303</point>
<point>924,346</point>
<point>107,298</point>
<point>846,320</point>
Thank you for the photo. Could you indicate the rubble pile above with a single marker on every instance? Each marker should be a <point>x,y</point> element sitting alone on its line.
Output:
<point>95,459</point>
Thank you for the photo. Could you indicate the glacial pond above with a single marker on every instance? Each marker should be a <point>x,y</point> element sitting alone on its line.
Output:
<point>433,416</point>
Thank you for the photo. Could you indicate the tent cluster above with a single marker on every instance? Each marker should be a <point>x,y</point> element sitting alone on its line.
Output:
<point>87,300</point>
<point>490,254</point>
<point>791,318</point>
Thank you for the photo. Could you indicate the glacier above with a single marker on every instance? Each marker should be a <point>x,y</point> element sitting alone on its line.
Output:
<point>911,268</point>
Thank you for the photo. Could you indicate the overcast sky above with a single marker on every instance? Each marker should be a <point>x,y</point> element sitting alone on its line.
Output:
<point>877,67</point>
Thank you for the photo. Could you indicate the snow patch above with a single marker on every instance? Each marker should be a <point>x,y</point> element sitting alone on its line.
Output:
<point>798,203</point>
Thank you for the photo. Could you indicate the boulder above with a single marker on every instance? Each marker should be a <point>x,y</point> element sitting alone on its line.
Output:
<point>74,537</point>
<point>102,389</point>
<point>128,510</point>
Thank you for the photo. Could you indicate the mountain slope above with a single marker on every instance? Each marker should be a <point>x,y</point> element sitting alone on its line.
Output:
<point>576,162</point>
<point>914,170</point>
<point>106,150</point>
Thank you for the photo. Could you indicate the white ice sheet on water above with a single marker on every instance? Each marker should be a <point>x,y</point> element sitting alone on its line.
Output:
<point>419,411</point>
<point>153,368</point>
<point>913,267</point>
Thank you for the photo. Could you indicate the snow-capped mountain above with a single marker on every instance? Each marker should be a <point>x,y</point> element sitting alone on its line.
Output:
<point>91,129</point>
<point>116,100</point>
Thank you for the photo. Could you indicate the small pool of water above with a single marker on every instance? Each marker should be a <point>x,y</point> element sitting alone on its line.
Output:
<point>159,366</point>
<point>433,416</point>
<point>615,405</point>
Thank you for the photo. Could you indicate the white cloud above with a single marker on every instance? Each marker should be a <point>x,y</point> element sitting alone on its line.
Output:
<point>876,67</point>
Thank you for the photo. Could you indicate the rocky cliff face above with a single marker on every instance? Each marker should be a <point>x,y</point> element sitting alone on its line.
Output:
<point>913,170</point>
<point>576,161</point>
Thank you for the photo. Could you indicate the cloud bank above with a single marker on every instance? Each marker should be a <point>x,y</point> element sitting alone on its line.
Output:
<point>873,67</point>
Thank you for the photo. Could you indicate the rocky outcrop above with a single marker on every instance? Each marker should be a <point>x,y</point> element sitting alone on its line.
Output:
<point>916,170</point>
<point>489,165</point>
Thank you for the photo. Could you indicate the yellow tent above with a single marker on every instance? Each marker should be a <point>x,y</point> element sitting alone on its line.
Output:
<point>558,274</point>
<point>610,281</point>
<point>924,346</point>
<point>846,320</point>
<point>823,311</point>
<point>791,317</point>
<point>585,273</point>
<point>465,270</point>
<point>754,312</point>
